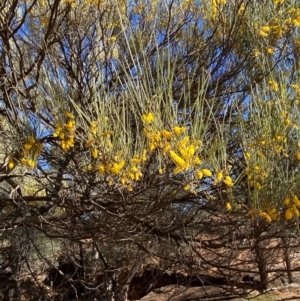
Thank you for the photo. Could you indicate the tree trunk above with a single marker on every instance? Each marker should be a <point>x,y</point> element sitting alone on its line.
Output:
<point>261,264</point>
<point>287,259</point>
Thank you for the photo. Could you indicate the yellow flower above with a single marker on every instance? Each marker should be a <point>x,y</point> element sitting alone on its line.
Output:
<point>191,150</point>
<point>116,168</point>
<point>295,200</point>
<point>144,155</point>
<point>31,163</point>
<point>296,22</point>
<point>186,187</point>
<point>11,163</point>
<point>64,145</point>
<point>31,140</point>
<point>124,179</point>
<point>178,160</point>
<point>295,211</point>
<point>27,147</point>
<point>166,148</point>
<point>155,137</point>
<point>148,118</point>
<point>166,134</point>
<point>199,175</point>
<point>251,213</point>
<point>288,214</point>
<point>108,143</point>
<point>263,34</point>
<point>197,161</point>
<point>133,169</point>
<point>228,181</point>
<point>70,143</point>
<point>70,125</point>
<point>101,169</point>
<point>107,134</point>
<point>184,141</point>
<point>152,146</point>
<point>287,121</point>
<point>23,161</point>
<point>219,176</point>
<point>179,130</point>
<point>228,206</point>
<point>69,115</point>
<point>287,201</point>
<point>257,186</point>
<point>274,213</point>
<point>93,131</point>
<point>248,155</point>
<point>264,31</point>
<point>206,172</point>
<point>93,124</point>
<point>137,175</point>
<point>183,152</point>
<point>277,2</point>
<point>266,216</point>
<point>273,85</point>
<point>136,160</point>
<point>112,39</point>
<point>89,143</point>
<point>94,153</point>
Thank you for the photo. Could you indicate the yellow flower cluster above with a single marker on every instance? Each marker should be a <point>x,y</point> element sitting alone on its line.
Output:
<point>287,120</point>
<point>273,85</point>
<point>230,206</point>
<point>227,180</point>
<point>29,154</point>
<point>256,176</point>
<point>116,169</point>
<point>96,140</point>
<point>277,27</point>
<point>124,170</point>
<point>133,172</point>
<point>183,154</point>
<point>264,31</point>
<point>65,132</point>
<point>215,5</point>
<point>179,147</point>
<point>148,118</point>
<point>270,214</point>
<point>126,173</point>
<point>32,149</point>
<point>185,158</point>
<point>292,204</point>
<point>265,150</point>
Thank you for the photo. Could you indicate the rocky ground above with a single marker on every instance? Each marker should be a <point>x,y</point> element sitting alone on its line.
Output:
<point>210,293</point>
